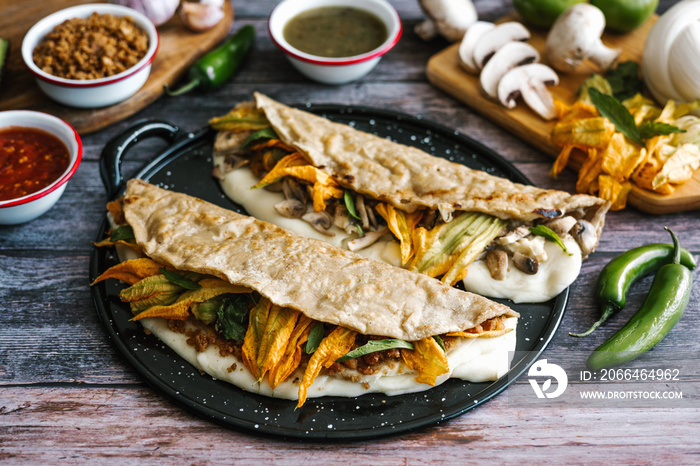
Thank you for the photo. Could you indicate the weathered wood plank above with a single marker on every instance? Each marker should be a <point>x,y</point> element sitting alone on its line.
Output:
<point>131,423</point>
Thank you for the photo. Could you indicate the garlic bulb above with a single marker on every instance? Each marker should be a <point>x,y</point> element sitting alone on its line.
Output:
<point>202,15</point>
<point>671,60</point>
<point>158,11</point>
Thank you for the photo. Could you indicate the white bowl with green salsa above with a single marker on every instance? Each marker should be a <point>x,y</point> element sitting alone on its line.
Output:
<point>334,41</point>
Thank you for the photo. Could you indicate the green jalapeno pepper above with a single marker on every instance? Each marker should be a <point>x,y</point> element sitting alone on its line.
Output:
<point>663,307</point>
<point>619,274</point>
<point>216,67</point>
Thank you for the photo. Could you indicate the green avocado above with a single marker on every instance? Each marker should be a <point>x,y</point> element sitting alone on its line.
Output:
<point>626,15</point>
<point>542,13</point>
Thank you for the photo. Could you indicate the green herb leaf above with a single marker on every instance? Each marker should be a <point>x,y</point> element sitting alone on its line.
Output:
<point>373,346</point>
<point>315,338</point>
<point>618,114</point>
<point>350,205</point>
<point>439,342</point>
<point>177,279</point>
<point>231,315</point>
<point>624,80</point>
<point>541,230</point>
<point>265,133</point>
<point>650,129</point>
<point>122,233</point>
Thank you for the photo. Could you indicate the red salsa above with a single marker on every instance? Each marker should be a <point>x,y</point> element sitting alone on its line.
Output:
<point>30,160</point>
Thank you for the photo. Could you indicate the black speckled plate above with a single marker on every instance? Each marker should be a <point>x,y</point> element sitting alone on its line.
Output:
<point>185,166</point>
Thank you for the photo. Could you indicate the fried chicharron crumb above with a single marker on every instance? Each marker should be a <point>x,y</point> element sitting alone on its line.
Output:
<point>91,48</point>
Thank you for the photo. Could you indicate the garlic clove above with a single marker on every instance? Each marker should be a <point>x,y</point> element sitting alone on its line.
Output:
<point>158,11</point>
<point>201,16</point>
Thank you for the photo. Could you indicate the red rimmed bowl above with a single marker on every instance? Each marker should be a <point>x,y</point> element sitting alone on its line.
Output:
<point>334,70</point>
<point>90,93</point>
<point>32,205</point>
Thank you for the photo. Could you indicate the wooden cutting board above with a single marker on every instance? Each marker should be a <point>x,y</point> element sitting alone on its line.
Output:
<point>179,48</point>
<point>445,72</point>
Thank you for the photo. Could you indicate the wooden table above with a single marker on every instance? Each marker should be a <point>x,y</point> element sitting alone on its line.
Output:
<point>67,396</point>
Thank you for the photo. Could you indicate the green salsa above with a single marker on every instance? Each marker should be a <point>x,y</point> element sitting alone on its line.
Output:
<point>335,31</point>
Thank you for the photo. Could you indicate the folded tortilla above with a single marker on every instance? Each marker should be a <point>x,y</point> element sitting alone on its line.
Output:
<point>325,283</point>
<point>411,179</point>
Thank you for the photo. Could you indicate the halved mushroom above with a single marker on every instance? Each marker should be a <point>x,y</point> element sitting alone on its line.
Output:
<point>529,81</point>
<point>466,48</point>
<point>321,221</point>
<point>526,264</point>
<point>291,208</point>
<point>575,37</point>
<point>497,263</point>
<point>495,39</point>
<point>585,235</point>
<point>508,57</point>
<point>562,225</point>
<point>367,240</point>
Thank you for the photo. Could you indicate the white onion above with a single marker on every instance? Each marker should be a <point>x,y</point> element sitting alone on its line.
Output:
<point>671,60</point>
<point>158,11</point>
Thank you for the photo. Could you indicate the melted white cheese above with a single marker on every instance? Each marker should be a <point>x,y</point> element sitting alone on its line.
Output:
<point>476,360</point>
<point>554,275</point>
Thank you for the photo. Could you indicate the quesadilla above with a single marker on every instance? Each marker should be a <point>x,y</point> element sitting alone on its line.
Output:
<point>293,317</point>
<point>398,204</point>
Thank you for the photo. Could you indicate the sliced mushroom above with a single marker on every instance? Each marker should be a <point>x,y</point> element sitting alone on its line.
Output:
<point>234,162</point>
<point>372,217</point>
<point>585,235</point>
<point>492,41</point>
<point>525,263</point>
<point>341,219</point>
<point>508,57</point>
<point>291,208</point>
<point>367,240</point>
<point>466,48</point>
<point>529,81</point>
<point>321,221</point>
<point>362,211</point>
<point>228,142</point>
<point>497,263</point>
<point>575,37</point>
<point>293,190</point>
<point>561,226</point>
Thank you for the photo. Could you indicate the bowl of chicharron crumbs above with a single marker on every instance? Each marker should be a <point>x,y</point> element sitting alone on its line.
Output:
<point>92,55</point>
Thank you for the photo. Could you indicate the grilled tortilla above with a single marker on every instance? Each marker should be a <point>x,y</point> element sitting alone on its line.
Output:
<point>392,175</point>
<point>308,280</point>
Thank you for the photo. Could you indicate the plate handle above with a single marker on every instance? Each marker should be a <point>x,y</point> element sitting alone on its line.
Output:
<point>119,145</point>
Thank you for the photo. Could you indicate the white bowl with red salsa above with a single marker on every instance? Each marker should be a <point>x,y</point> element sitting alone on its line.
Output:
<point>91,56</point>
<point>38,155</point>
<point>334,41</point>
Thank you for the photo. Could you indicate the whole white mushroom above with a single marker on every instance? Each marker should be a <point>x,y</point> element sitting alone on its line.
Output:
<point>576,36</point>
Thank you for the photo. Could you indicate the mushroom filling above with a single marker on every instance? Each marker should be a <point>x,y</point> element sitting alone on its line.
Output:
<point>430,242</point>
